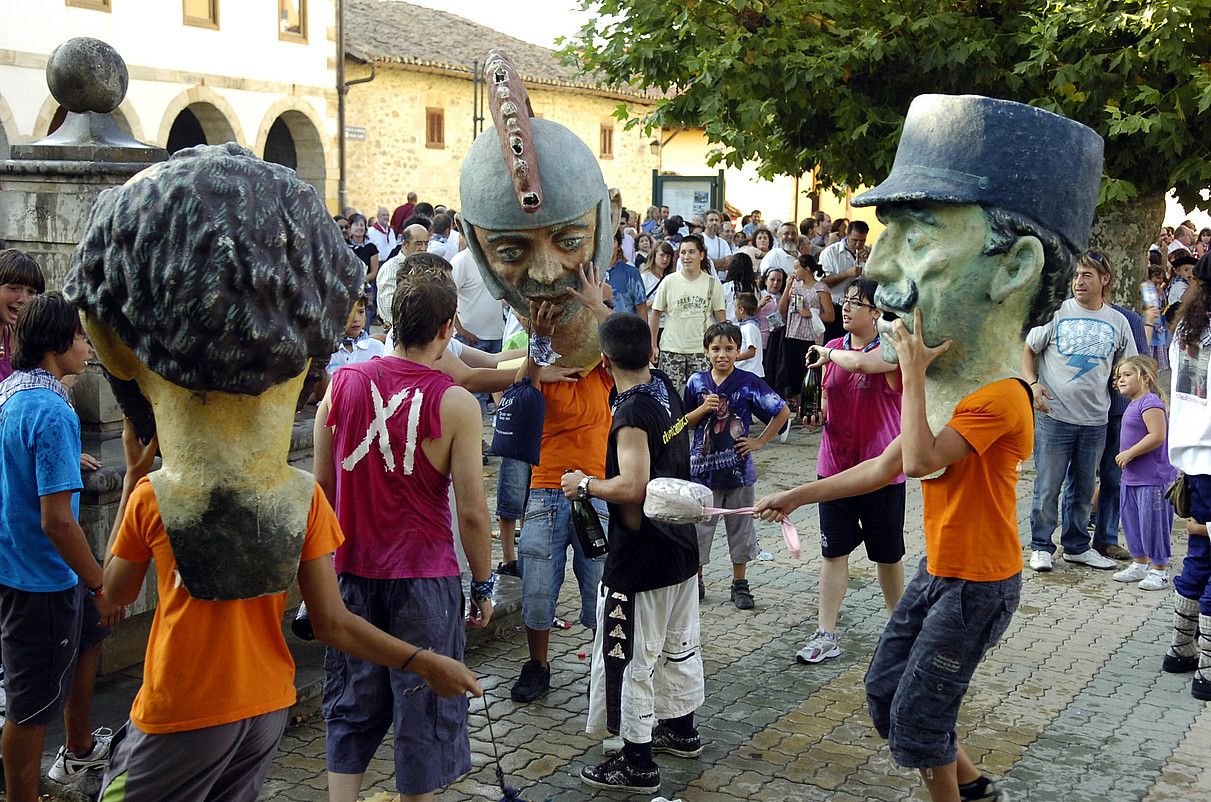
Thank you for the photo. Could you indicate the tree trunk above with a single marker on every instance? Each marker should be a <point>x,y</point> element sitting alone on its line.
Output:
<point>1123,232</point>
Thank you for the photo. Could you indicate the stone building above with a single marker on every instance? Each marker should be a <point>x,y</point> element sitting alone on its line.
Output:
<point>258,72</point>
<point>411,123</point>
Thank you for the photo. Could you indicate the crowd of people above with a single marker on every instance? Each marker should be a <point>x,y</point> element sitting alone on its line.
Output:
<point>705,325</point>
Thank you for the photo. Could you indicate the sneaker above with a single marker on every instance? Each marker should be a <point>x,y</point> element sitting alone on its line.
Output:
<point>1132,573</point>
<point>1040,561</point>
<point>615,772</point>
<point>68,768</point>
<point>1177,664</point>
<point>1114,552</point>
<point>741,595</point>
<point>534,682</point>
<point>1155,580</point>
<point>667,742</point>
<point>1090,558</point>
<point>982,790</point>
<point>508,569</point>
<point>821,647</point>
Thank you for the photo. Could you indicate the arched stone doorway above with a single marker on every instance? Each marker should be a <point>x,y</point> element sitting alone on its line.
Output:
<point>294,142</point>
<point>199,124</point>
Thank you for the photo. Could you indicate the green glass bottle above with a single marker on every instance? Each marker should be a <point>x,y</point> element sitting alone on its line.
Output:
<point>588,529</point>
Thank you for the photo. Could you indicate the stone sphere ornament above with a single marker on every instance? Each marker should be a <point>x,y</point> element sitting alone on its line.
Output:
<point>86,74</point>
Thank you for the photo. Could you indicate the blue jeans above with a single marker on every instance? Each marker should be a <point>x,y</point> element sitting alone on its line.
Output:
<point>512,488</point>
<point>921,669</point>
<point>543,551</point>
<point>1110,476</point>
<point>1195,579</point>
<point>1064,453</point>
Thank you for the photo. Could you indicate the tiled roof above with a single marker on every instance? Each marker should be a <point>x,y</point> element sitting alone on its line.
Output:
<point>395,32</point>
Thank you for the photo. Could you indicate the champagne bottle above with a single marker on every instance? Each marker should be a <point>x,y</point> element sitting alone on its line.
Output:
<point>812,388</point>
<point>588,529</point>
<point>301,625</point>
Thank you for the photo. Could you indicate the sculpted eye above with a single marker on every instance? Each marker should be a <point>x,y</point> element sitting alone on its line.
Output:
<point>509,253</point>
<point>571,243</point>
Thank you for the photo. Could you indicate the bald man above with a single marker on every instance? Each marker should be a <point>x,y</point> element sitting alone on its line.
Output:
<point>415,239</point>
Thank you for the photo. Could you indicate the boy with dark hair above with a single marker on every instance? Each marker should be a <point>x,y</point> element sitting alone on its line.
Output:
<point>752,353</point>
<point>647,664</point>
<point>723,401</point>
<point>20,280</point>
<point>390,437</point>
<point>50,631</point>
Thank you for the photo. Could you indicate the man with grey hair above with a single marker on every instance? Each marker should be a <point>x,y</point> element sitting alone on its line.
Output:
<point>381,234</point>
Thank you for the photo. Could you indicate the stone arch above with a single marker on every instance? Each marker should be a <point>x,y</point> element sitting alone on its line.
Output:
<point>292,129</point>
<point>8,129</point>
<point>214,115</point>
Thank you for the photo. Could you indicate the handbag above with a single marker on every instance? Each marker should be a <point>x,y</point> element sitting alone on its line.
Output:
<point>1179,495</point>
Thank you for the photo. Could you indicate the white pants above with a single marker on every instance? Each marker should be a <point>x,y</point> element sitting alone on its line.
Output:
<point>647,661</point>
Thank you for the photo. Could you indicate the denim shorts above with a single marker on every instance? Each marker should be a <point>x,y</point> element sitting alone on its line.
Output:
<point>542,550</point>
<point>362,700</point>
<point>512,488</point>
<point>933,642</point>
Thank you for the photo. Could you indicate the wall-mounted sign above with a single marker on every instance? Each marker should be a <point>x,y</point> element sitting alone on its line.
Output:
<point>355,132</point>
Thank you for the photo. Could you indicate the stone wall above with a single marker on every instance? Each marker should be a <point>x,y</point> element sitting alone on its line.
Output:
<point>393,159</point>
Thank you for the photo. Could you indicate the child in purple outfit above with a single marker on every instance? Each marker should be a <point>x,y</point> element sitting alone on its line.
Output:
<point>1146,514</point>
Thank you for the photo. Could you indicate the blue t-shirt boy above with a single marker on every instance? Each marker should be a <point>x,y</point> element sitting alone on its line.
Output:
<point>713,458</point>
<point>39,455</point>
<point>627,287</point>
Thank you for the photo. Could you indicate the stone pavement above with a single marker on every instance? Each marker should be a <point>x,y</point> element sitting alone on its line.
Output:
<point>1071,705</point>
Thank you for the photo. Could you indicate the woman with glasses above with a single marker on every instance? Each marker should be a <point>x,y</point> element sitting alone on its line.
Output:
<point>860,414</point>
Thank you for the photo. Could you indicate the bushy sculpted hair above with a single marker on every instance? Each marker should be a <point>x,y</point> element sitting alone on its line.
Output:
<point>425,299</point>
<point>47,324</point>
<point>220,271</point>
<point>626,341</point>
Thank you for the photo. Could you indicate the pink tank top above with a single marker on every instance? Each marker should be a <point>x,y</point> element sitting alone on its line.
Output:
<point>393,505</point>
<point>863,416</point>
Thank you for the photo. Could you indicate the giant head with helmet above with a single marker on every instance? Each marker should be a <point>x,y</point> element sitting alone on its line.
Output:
<point>535,209</point>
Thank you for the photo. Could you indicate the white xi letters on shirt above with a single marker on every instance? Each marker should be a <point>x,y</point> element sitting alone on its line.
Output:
<point>378,430</point>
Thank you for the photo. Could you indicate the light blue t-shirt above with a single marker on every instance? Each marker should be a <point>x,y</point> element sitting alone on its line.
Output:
<point>627,286</point>
<point>39,455</point>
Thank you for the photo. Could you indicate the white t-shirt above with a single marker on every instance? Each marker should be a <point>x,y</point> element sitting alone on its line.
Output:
<point>780,260</point>
<point>750,334</point>
<point>1189,408</point>
<point>388,275</point>
<point>717,248</point>
<point>385,241</point>
<point>363,350</point>
<point>478,312</point>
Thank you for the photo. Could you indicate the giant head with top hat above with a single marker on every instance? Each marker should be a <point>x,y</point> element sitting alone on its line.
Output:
<point>535,210</point>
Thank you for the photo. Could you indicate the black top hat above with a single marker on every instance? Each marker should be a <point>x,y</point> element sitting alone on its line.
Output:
<point>971,149</point>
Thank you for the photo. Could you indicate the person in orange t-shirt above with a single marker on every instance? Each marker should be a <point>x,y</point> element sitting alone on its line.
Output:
<point>218,678</point>
<point>575,432</point>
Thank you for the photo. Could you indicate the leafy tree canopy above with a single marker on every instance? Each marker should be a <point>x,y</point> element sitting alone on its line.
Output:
<point>794,84</point>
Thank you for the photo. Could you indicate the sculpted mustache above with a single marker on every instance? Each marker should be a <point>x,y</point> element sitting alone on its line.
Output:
<point>529,288</point>
<point>896,299</point>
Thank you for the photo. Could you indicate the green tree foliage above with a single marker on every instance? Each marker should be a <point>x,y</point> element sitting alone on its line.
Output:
<point>792,84</point>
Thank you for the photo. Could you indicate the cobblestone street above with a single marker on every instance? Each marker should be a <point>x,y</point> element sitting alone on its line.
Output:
<point>1070,705</point>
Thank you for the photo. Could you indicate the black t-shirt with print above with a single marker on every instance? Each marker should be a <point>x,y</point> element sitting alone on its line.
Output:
<point>656,555</point>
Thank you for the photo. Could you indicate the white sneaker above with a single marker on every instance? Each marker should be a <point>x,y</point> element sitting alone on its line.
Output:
<point>1132,573</point>
<point>1155,580</point>
<point>822,646</point>
<point>68,768</point>
<point>1091,558</point>
<point>1040,561</point>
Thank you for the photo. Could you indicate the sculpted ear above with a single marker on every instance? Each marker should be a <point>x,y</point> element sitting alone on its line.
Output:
<point>615,208</point>
<point>1017,269</point>
<point>113,353</point>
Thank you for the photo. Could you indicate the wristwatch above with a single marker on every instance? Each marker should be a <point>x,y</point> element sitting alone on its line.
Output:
<point>582,489</point>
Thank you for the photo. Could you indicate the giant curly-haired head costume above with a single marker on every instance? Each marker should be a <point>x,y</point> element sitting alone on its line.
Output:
<point>220,271</point>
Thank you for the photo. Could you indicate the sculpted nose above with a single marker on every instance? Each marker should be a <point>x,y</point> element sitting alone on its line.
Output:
<point>547,269</point>
<point>880,266</point>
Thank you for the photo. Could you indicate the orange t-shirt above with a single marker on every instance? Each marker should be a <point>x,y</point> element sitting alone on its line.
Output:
<point>576,428</point>
<point>211,662</point>
<point>971,521</point>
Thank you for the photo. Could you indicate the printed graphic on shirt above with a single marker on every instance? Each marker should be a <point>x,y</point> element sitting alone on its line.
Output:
<point>692,305</point>
<point>377,430</point>
<point>1087,342</point>
<point>1192,373</point>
